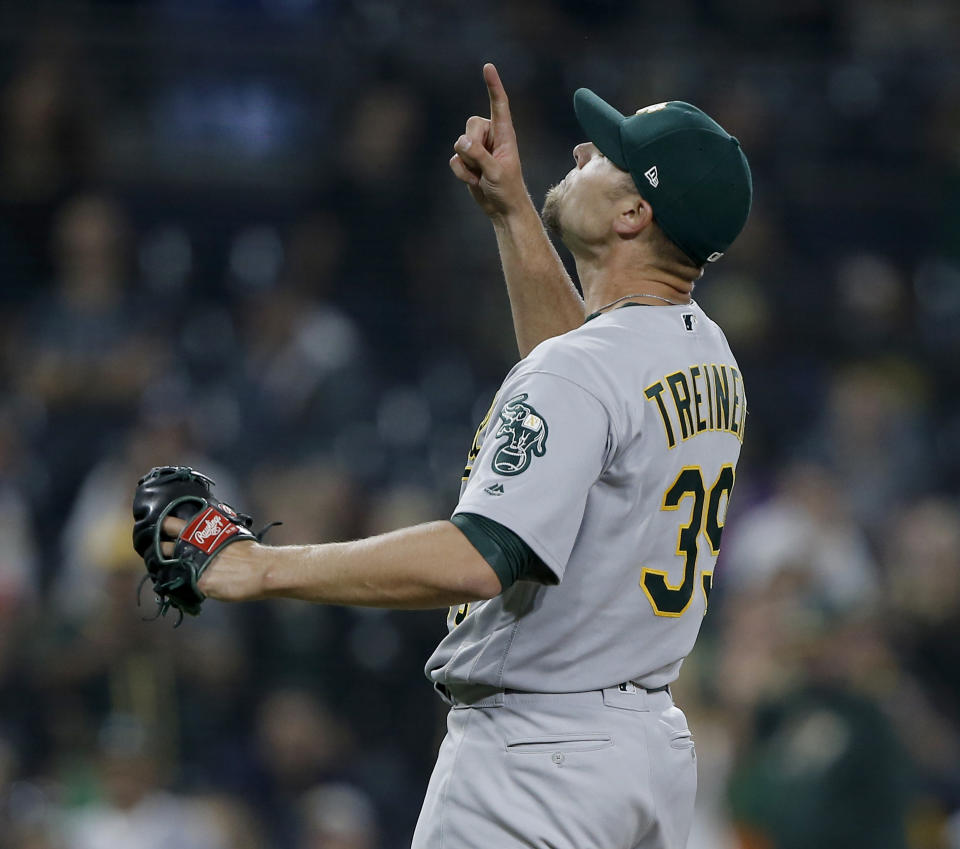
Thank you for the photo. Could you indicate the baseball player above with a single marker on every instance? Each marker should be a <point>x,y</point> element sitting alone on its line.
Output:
<point>578,562</point>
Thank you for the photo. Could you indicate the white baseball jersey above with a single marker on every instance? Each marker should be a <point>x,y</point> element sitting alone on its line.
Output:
<point>611,451</point>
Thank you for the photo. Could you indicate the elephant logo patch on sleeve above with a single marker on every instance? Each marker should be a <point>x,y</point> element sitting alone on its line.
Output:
<point>526,433</point>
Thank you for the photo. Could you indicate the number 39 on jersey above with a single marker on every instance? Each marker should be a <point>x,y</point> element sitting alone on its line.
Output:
<point>707,516</point>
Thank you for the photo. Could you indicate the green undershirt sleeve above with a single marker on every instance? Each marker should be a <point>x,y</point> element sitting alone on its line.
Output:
<point>508,555</point>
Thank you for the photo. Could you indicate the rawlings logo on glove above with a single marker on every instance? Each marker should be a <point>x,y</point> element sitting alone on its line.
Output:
<point>209,529</point>
<point>211,526</point>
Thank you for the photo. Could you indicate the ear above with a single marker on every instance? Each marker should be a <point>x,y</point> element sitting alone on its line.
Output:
<point>632,217</point>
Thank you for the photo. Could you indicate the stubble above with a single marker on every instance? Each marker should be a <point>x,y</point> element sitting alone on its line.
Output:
<point>550,214</point>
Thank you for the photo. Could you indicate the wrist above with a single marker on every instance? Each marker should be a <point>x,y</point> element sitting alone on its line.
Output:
<point>516,218</point>
<point>254,560</point>
<point>236,573</point>
<point>283,571</point>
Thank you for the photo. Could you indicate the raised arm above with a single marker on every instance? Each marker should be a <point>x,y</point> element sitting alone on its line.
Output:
<point>543,299</point>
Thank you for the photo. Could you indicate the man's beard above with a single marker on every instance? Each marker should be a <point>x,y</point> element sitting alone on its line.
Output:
<point>550,214</point>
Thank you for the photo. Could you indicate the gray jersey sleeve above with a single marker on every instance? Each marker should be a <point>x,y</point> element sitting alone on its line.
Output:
<point>546,444</point>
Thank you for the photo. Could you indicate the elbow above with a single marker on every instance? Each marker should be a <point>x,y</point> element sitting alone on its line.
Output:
<point>469,574</point>
<point>484,584</point>
<point>476,582</point>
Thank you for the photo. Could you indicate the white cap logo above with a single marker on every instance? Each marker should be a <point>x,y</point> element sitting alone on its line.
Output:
<point>656,107</point>
<point>714,256</point>
<point>651,175</point>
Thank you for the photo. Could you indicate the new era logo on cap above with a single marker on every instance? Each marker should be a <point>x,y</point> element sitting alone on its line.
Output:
<point>652,176</point>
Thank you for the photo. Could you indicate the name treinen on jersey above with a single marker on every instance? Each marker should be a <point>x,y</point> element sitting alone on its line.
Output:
<point>700,399</point>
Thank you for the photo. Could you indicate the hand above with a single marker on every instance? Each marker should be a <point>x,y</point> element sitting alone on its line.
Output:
<point>487,158</point>
<point>235,574</point>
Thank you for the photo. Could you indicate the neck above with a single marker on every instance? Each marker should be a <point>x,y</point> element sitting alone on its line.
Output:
<point>604,283</point>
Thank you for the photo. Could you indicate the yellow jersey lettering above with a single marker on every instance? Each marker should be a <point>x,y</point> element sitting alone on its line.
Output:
<point>701,424</point>
<point>653,393</point>
<point>706,397</point>
<point>706,382</point>
<point>735,402</point>
<point>721,390</point>
<point>681,400</point>
<point>475,445</point>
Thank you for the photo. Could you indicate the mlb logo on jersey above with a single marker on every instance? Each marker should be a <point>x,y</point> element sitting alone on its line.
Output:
<point>689,321</point>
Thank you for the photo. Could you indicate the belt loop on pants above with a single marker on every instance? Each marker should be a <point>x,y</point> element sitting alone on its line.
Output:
<point>471,696</point>
<point>627,684</point>
<point>632,696</point>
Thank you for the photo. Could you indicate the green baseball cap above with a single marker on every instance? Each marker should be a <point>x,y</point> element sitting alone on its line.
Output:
<point>691,171</point>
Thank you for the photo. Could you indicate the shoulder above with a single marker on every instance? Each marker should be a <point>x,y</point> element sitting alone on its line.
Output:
<point>573,358</point>
<point>573,355</point>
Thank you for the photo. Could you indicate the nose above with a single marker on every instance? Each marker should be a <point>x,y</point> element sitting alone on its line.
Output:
<point>583,153</point>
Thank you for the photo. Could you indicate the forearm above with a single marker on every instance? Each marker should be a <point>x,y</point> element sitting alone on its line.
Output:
<point>426,566</point>
<point>543,299</point>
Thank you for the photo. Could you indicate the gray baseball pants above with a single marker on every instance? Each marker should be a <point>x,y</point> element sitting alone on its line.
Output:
<point>608,769</point>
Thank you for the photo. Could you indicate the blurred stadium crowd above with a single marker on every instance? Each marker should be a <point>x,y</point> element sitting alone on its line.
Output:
<point>229,239</point>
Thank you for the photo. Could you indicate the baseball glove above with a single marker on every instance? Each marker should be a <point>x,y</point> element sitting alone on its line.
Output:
<point>211,526</point>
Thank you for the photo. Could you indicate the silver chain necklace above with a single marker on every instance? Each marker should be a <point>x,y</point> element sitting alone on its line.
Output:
<point>638,295</point>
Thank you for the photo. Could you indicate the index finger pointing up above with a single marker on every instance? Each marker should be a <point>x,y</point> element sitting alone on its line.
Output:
<point>499,104</point>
